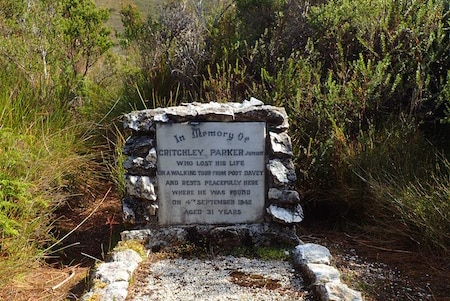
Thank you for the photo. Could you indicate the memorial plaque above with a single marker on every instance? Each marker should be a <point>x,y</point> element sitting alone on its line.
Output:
<point>211,172</point>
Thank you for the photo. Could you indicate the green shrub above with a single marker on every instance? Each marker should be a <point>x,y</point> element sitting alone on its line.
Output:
<point>171,50</point>
<point>365,84</point>
<point>46,150</point>
<point>407,195</point>
<point>361,92</point>
<point>412,39</point>
<point>19,216</point>
<point>43,160</point>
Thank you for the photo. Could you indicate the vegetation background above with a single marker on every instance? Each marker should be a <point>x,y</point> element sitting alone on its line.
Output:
<point>366,85</point>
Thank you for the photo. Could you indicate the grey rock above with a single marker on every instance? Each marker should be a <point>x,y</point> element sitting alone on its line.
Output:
<point>286,215</point>
<point>141,121</point>
<point>161,117</point>
<point>283,196</point>
<point>141,187</point>
<point>116,291</point>
<point>128,215</point>
<point>311,253</point>
<point>138,122</point>
<point>163,237</point>
<point>228,237</point>
<point>274,116</point>
<point>109,272</point>
<point>319,273</point>
<point>152,156</point>
<point>275,234</point>
<point>252,110</point>
<point>334,291</point>
<point>138,146</point>
<point>265,234</point>
<point>283,173</point>
<point>138,234</point>
<point>281,144</point>
<point>137,210</point>
<point>218,236</point>
<point>252,102</point>
<point>131,257</point>
<point>139,166</point>
<point>152,209</point>
<point>314,262</point>
<point>213,111</point>
<point>111,279</point>
<point>180,113</point>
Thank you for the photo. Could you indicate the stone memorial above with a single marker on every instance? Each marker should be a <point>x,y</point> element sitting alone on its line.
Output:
<point>219,175</point>
<point>210,172</point>
<point>218,168</point>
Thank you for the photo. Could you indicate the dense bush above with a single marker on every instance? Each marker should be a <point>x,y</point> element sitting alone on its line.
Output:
<point>171,50</point>
<point>365,84</point>
<point>47,52</point>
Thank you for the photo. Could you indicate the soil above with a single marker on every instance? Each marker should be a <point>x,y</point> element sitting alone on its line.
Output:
<point>95,225</point>
<point>382,271</point>
<point>378,270</point>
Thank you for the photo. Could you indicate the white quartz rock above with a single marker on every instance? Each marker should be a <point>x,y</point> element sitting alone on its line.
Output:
<point>284,215</point>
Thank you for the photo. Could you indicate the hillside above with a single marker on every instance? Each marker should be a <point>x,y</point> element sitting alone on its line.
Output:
<point>366,86</point>
<point>147,7</point>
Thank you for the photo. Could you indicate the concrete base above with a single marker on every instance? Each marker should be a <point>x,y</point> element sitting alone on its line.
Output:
<point>217,237</point>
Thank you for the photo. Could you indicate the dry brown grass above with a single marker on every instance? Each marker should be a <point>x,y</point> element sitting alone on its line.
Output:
<point>37,284</point>
<point>37,281</point>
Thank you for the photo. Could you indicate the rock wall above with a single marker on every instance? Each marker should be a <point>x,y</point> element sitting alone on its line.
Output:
<point>140,205</point>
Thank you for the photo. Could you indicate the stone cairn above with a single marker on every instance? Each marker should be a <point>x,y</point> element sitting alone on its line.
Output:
<point>282,204</point>
<point>283,209</point>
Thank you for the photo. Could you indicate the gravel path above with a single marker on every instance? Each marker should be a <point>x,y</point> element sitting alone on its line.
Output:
<point>224,278</point>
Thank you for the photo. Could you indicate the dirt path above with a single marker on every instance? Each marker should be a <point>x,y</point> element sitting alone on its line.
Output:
<point>382,272</point>
<point>379,274</point>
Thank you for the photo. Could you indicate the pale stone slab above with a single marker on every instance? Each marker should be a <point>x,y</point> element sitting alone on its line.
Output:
<point>311,253</point>
<point>332,291</point>
<point>141,187</point>
<point>281,173</point>
<point>283,196</point>
<point>322,273</point>
<point>281,144</point>
<point>211,172</point>
<point>285,215</point>
<point>114,271</point>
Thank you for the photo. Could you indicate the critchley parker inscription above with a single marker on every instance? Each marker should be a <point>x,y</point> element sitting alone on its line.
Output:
<point>211,172</point>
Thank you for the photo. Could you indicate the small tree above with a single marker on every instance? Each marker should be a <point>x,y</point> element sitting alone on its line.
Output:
<point>172,49</point>
<point>84,33</point>
<point>53,44</point>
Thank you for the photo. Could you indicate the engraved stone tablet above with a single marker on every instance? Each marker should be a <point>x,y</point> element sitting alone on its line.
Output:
<point>210,172</point>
